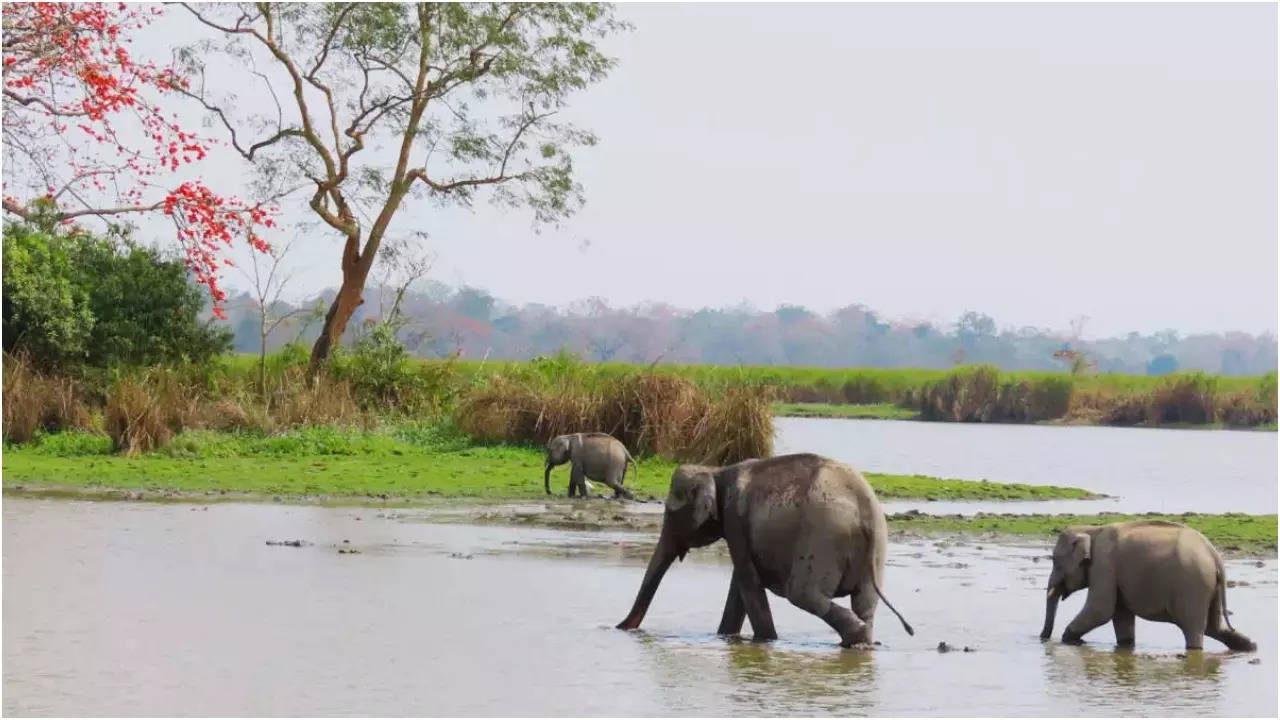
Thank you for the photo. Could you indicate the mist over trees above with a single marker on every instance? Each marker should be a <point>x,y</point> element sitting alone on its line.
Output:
<point>439,321</point>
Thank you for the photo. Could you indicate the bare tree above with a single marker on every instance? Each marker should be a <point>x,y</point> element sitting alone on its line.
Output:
<point>269,282</point>
<point>466,94</point>
<point>404,263</point>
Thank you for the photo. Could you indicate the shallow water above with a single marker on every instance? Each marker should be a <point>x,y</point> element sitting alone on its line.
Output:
<point>1145,469</point>
<point>169,609</point>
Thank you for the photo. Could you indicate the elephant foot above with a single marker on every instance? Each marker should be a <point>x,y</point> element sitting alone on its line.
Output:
<point>856,639</point>
<point>1069,638</point>
<point>859,646</point>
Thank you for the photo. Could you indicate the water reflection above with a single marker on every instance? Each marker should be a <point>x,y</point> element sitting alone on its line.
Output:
<point>1111,678</point>
<point>738,676</point>
<point>839,682</point>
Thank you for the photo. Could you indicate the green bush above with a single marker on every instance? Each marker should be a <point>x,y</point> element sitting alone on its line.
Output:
<point>77,299</point>
<point>46,308</point>
<point>383,378</point>
<point>146,310</point>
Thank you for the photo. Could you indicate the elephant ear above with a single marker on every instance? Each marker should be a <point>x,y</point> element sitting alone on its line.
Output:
<point>704,499</point>
<point>1081,549</point>
<point>691,485</point>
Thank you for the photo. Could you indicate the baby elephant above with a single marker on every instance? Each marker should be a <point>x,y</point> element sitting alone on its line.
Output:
<point>1151,569</point>
<point>597,456</point>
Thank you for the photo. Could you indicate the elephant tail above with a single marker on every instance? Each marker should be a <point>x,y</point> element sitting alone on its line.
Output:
<point>1221,589</point>
<point>635,467</point>
<point>905,625</point>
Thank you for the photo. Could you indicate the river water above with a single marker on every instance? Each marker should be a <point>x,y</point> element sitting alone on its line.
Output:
<point>1144,469</point>
<point>174,609</point>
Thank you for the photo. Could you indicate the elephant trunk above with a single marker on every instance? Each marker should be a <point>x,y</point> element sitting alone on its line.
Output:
<point>1050,611</point>
<point>664,554</point>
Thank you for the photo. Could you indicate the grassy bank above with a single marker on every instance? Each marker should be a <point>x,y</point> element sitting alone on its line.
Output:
<point>1231,532</point>
<point>872,411</point>
<point>405,461</point>
<point>655,413</point>
<point>986,394</point>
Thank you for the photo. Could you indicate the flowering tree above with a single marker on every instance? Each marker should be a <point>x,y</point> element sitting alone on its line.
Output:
<point>85,135</point>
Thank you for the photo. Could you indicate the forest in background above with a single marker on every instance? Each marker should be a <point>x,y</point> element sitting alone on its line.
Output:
<point>434,320</point>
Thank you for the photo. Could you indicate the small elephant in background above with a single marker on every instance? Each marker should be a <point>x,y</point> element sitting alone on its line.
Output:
<point>596,456</point>
<point>1152,569</point>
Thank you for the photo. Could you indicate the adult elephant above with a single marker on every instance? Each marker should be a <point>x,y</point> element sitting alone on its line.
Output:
<point>595,456</point>
<point>808,528</point>
<point>1151,569</point>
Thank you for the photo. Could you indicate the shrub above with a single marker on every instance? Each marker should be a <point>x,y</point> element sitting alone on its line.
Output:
<point>382,377</point>
<point>966,394</point>
<point>146,310</point>
<point>75,298</point>
<point>864,389</point>
<point>1185,397</point>
<point>46,308</point>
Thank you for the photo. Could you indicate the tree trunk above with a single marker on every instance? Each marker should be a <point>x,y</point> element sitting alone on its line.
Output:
<point>350,296</point>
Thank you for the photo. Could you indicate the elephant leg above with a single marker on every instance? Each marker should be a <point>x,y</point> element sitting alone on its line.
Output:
<point>578,478</point>
<point>1191,615</point>
<point>758,612</point>
<point>812,584</point>
<point>735,610</point>
<point>1099,607</point>
<point>1194,638</point>
<point>614,480</point>
<point>852,630</point>
<point>1100,603</point>
<point>864,602</point>
<point>751,590</point>
<point>1216,627</point>
<point>1123,622</point>
<point>1232,639</point>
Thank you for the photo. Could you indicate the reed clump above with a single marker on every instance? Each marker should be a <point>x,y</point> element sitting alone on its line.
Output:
<point>35,401</point>
<point>651,413</point>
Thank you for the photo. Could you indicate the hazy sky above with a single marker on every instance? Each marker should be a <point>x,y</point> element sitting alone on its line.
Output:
<point>1033,162</point>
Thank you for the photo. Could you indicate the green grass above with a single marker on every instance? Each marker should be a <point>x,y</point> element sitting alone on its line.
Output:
<point>866,411</point>
<point>882,388</point>
<point>893,381</point>
<point>1231,532</point>
<point>405,461</point>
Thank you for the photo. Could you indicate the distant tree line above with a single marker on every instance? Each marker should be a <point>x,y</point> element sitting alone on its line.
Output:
<point>438,321</point>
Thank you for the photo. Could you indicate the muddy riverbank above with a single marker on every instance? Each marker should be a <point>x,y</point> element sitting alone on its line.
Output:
<point>1235,535</point>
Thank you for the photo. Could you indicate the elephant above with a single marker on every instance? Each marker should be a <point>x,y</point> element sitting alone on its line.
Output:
<point>806,527</point>
<point>1152,569</point>
<point>598,456</point>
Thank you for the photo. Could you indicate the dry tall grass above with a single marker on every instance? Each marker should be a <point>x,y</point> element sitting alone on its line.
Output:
<point>980,394</point>
<point>652,414</point>
<point>137,418</point>
<point>38,401</point>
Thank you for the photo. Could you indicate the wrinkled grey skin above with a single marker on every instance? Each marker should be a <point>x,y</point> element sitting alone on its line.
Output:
<point>1151,569</point>
<point>805,527</point>
<point>596,456</point>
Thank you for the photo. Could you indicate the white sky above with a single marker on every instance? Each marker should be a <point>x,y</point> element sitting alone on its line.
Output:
<point>1033,162</point>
